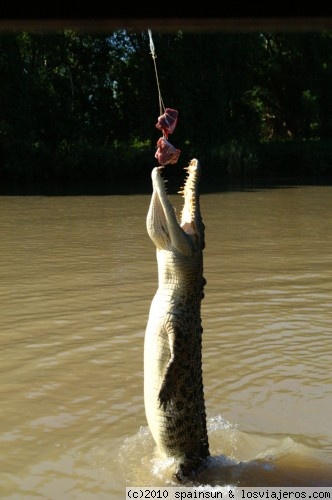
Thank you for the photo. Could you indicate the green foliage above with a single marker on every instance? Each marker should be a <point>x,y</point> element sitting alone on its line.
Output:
<point>82,107</point>
<point>295,159</point>
<point>238,159</point>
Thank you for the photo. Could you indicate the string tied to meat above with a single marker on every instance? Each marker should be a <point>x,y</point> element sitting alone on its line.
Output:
<point>166,153</point>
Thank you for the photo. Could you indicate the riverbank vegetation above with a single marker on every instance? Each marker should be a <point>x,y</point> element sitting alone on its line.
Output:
<point>78,110</point>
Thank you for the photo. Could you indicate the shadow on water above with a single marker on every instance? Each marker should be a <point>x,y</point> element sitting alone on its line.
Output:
<point>289,471</point>
<point>247,460</point>
<point>211,182</point>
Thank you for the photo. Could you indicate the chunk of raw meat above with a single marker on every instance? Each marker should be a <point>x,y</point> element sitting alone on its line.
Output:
<point>167,122</point>
<point>166,153</point>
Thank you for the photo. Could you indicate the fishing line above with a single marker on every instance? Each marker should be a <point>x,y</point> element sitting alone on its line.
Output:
<point>166,152</point>
<point>154,57</point>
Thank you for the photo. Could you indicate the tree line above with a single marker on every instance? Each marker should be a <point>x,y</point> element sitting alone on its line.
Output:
<point>81,108</point>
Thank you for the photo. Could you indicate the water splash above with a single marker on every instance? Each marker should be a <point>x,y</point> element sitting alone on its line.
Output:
<point>237,458</point>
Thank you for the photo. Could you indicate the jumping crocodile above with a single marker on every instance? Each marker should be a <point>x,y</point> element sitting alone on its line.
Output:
<point>173,381</point>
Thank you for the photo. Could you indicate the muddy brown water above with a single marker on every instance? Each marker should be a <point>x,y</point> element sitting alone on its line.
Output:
<point>77,275</point>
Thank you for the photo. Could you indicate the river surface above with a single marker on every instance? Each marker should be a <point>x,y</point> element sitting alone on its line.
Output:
<point>77,275</point>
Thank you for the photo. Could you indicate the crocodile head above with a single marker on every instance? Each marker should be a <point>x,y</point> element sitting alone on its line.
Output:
<point>187,235</point>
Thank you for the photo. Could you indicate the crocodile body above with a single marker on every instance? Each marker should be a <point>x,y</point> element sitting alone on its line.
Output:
<point>173,382</point>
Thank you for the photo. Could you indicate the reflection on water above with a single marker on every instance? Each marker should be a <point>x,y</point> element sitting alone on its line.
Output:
<point>77,276</point>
